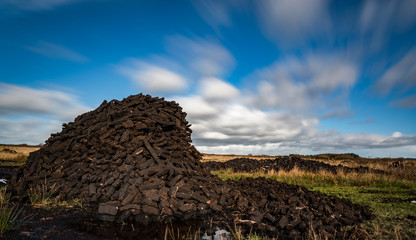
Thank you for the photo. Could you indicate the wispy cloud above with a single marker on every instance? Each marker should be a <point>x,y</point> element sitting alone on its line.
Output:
<point>401,76</point>
<point>305,83</point>
<point>151,78</point>
<point>58,52</point>
<point>36,5</point>
<point>189,61</point>
<point>379,19</point>
<point>366,121</point>
<point>16,100</point>
<point>205,57</point>
<point>218,13</point>
<point>405,102</point>
<point>294,21</point>
<point>215,13</point>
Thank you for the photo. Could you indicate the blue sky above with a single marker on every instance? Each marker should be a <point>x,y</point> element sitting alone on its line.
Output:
<point>259,77</point>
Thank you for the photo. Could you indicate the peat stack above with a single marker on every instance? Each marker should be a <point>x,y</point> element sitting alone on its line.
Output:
<point>132,157</point>
<point>133,161</point>
<point>286,163</point>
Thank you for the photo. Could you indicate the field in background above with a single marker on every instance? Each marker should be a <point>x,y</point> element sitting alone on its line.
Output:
<point>401,167</point>
<point>15,155</point>
<point>391,196</point>
<point>223,158</point>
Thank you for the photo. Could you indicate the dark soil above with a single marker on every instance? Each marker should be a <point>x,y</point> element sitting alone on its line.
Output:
<point>63,223</point>
<point>52,223</point>
<point>286,163</point>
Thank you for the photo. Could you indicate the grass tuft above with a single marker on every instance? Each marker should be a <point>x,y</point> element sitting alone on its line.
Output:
<point>10,216</point>
<point>43,194</point>
<point>176,234</point>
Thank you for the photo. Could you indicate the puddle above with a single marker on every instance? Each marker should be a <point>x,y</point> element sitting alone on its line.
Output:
<point>220,234</point>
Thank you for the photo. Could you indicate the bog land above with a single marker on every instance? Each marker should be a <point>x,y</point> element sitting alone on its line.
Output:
<point>386,185</point>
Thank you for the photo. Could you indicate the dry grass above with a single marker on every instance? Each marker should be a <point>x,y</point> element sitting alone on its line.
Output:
<point>223,158</point>
<point>15,154</point>
<point>325,178</point>
<point>405,170</point>
<point>25,150</point>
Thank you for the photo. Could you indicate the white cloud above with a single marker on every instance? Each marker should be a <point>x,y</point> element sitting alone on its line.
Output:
<point>367,145</point>
<point>205,57</point>
<point>30,115</point>
<point>151,78</point>
<point>230,122</point>
<point>215,89</point>
<point>292,21</point>
<point>16,100</point>
<point>58,52</point>
<point>29,130</point>
<point>397,134</point>
<point>400,76</point>
<point>232,127</point>
<point>200,108</point>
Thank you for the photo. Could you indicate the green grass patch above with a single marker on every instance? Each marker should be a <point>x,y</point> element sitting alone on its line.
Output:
<point>10,215</point>
<point>389,197</point>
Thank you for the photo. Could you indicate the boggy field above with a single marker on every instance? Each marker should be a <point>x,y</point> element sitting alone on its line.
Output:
<point>127,170</point>
<point>390,195</point>
<point>387,186</point>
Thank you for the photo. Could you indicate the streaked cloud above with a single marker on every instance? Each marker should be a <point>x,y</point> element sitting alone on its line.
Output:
<point>36,5</point>
<point>294,21</point>
<point>379,19</point>
<point>305,83</point>
<point>57,52</point>
<point>405,102</point>
<point>205,57</point>
<point>30,115</point>
<point>215,13</point>
<point>401,76</point>
<point>16,100</point>
<point>152,79</point>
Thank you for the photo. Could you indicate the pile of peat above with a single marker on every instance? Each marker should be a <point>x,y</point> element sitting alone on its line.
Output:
<point>133,162</point>
<point>286,163</point>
